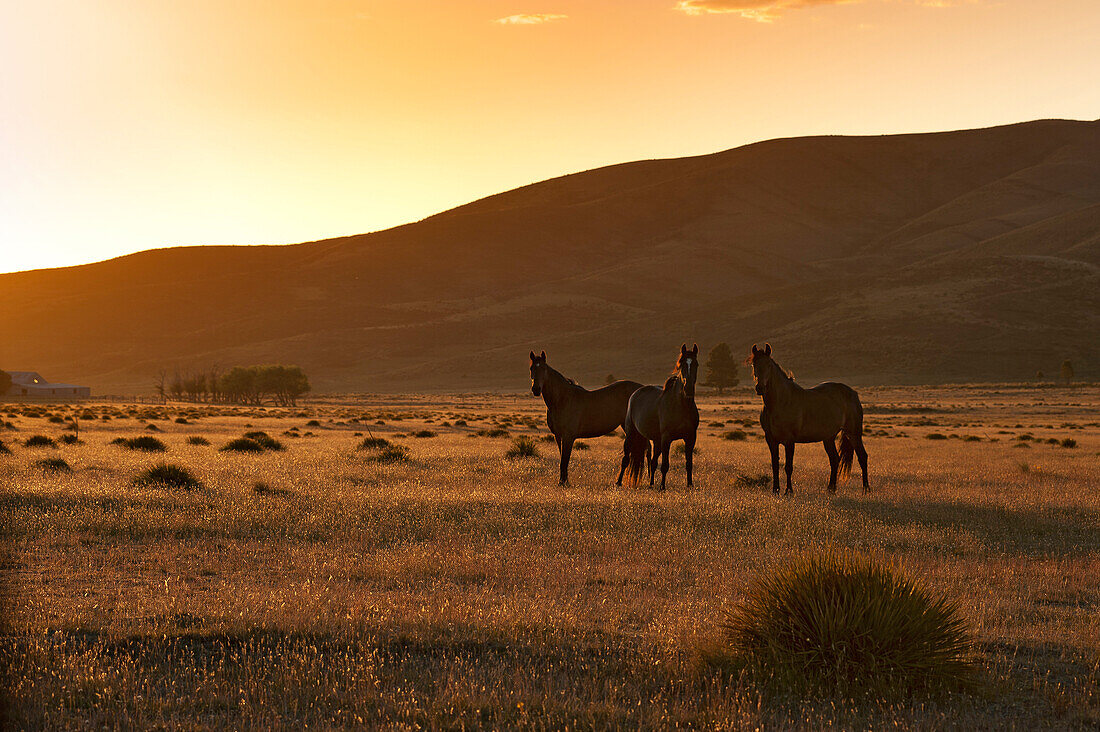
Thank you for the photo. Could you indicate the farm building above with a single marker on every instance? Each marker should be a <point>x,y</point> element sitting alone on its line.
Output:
<point>31,384</point>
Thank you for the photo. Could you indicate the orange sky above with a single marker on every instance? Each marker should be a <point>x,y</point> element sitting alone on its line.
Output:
<point>133,124</point>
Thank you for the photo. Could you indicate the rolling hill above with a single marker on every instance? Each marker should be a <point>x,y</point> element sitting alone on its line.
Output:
<point>958,256</point>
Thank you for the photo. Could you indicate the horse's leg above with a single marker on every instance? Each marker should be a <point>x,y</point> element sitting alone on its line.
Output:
<point>666,445</point>
<point>774,447</point>
<point>788,465</point>
<point>861,453</point>
<point>566,451</point>
<point>834,462</point>
<point>653,460</point>
<point>689,450</point>
<point>626,458</point>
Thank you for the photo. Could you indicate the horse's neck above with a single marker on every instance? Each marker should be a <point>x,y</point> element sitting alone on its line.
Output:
<point>557,386</point>
<point>780,387</point>
<point>677,394</point>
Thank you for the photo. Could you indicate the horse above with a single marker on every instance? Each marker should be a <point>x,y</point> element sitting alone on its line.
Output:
<point>573,412</point>
<point>792,414</point>
<point>662,415</point>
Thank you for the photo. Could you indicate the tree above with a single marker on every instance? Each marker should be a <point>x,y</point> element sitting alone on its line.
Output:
<point>721,368</point>
<point>160,386</point>
<point>1067,371</point>
<point>5,382</point>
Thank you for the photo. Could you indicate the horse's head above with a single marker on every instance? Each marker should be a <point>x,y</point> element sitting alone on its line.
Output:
<point>687,368</point>
<point>539,372</point>
<point>761,361</point>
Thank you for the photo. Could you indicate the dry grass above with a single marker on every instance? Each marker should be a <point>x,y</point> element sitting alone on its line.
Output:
<point>460,588</point>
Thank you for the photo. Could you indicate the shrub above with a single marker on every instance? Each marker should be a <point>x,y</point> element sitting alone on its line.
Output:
<point>1069,442</point>
<point>39,441</point>
<point>242,444</point>
<point>832,619</point>
<point>167,475</point>
<point>197,440</point>
<point>935,436</point>
<point>523,447</point>
<point>495,432</point>
<point>424,433</point>
<point>391,454</point>
<point>152,428</point>
<point>55,419</point>
<point>264,440</point>
<point>4,449</point>
<point>735,435</point>
<point>374,443</point>
<point>460,423</point>
<point>313,423</point>
<point>70,439</point>
<point>182,420</point>
<point>578,445</point>
<point>1024,438</point>
<point>54,465</point>
<point>972,438</point>
<point>145,443</point>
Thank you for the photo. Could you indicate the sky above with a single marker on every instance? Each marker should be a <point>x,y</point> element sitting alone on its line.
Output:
<point>135,124</point>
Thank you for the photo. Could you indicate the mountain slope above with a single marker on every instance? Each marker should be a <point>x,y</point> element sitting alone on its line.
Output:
<point>931,257</point>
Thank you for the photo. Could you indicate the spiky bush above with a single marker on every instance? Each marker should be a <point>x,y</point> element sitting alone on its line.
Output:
<point>842,621</point>
<point>39,441</point>
<point>391,454</point>
<point>4,449</point>
<point>242,444</point>
<point>424,433</point>
<point>54,465</point>
<point>523,447</point>
<point>197,440</point>
<point>374,443</point>
<point>265,440</point>
<point>735,435</point>
<point>145,443</point>
<point>167,475</point>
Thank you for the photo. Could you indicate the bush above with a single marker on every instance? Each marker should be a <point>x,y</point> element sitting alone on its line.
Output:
<point>735,435</point>
<point>152,428</point>
<point>167,475</point>
<point>495,432</point>
<point>145,443</point>
<point>54,465</point>
<point>842,619</point>
<point>242,444</point>
<point>4,449</point>
<point>424,433</point>
<point>70,439</point>
<point>523,447</point>
<point>265,441</point>
<point>935,436</point>
<point>1069,442</point>
<point>391,454</point>
<point>197,440</point>
<point>182,420</point>
<point>374,443</point>
<point>39,441</point>
<point>578,445</point>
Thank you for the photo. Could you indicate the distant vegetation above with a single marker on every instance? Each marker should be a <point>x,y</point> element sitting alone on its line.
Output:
<point>5,382</point>
<point>721,368</point>
<point>255,385</point>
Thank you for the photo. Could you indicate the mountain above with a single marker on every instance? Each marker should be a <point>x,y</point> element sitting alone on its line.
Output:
<point>957,256</point>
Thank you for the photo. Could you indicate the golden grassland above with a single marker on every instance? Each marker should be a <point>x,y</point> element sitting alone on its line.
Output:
<point>317,586</point>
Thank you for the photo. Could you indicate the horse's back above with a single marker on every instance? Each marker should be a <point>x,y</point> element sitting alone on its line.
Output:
<point>601,411</point>
<point>642,411</point>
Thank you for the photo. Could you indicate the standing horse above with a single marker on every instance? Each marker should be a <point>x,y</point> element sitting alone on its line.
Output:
<point>792,414</point>
<point>662,415</point>
<point>573,412</point>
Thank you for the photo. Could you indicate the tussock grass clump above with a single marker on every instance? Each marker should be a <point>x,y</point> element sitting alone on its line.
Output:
<point>182,420</point>
<point>391,454</point>
<point>842,621</point>
<point>495,432</point>
<point>578,445</point>
<point>374,443</point>
<point>4,449</point>
<point>167,475</point>
<point>735,435</point>
<point>197,440</point>
<point>265,440</point>
<point>54,465</point>
<point>523,447</point>
<point>39,441</point>
<point>424,433</point>
<point>145,443</point>
<point>242,444</point>
<point>935,436</point>
<point>1069,442</point>
<point>70,440</point>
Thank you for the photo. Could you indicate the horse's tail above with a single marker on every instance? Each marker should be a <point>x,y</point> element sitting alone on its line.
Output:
<point>853,425</point>
<point>637,448</point>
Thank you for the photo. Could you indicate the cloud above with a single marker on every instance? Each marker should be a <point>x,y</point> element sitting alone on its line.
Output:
<point>764,11</point>
<point>530,19</point>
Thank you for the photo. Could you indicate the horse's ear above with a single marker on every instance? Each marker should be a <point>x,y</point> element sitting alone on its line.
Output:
<point>532,356</point>
<point>767,349</point>
<point>755,350</point>
<point>695,348</point>
<point>543,356</point>
<point>683,348</point>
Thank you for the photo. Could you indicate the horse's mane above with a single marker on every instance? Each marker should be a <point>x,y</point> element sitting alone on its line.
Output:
<point>670,382</point>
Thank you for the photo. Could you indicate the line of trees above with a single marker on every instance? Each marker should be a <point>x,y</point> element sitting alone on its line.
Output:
<point>282,385</point>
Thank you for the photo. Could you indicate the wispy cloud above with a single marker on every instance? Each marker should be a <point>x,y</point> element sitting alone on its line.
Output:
<point>766,11</point>
<point>530,18</point>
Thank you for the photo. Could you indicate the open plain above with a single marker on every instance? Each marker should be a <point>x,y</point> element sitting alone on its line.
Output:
<point>447,585</point>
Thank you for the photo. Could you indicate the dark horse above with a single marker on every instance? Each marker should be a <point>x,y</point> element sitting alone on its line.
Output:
<point>662,416</point>
<point>792,414</point>
<point>573,412</point>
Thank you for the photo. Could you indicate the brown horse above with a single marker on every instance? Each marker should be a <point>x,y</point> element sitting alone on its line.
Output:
<point>792,414</point>
<point>573,412</point>
<point>662,416</point>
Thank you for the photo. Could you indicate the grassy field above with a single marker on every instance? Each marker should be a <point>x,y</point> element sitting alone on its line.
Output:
<point>321,585</point>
